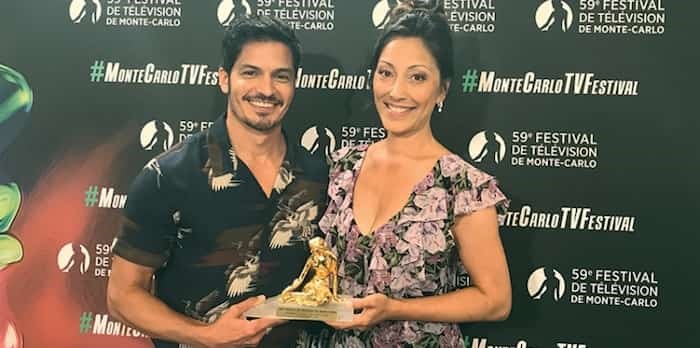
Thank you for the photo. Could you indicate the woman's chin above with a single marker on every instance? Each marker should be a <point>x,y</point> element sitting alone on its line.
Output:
<point>399,130</point>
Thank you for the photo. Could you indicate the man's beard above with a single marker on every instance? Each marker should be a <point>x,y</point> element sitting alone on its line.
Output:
<point>260,126</point>
<point>263,125</point>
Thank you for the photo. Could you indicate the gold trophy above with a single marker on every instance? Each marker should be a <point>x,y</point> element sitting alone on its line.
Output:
<point>317,299</point>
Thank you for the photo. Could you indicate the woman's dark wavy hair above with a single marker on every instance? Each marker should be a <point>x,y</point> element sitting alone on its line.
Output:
<point>425,20</point>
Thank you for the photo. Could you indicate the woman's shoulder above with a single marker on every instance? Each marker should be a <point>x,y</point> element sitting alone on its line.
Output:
<point>455,167</point>
<point>348,153</point>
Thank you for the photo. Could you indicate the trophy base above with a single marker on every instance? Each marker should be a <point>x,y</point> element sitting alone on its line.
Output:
<point>272,308</point>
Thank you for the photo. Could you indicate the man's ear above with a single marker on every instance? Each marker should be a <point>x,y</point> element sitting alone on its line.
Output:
<point>223,81</point>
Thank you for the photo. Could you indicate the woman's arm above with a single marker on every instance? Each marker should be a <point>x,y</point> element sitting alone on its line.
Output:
<point>482,254</point>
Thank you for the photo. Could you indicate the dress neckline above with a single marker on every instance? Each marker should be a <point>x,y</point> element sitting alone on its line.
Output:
<point>351,192</point>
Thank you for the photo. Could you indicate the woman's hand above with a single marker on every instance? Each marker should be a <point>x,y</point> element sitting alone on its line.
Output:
<point>374,309</point>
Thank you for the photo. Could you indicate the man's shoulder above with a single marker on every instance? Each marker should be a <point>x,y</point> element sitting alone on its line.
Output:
<point>185,156</point>
<point>171,171</point>
<point>313,167</point>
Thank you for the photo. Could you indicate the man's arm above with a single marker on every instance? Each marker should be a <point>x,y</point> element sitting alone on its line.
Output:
<point>129,299</point>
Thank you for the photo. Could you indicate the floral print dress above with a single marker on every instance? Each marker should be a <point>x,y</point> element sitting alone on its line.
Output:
<point>411,255</point>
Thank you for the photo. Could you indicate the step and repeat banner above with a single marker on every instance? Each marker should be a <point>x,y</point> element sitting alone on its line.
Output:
<point>581,108</point>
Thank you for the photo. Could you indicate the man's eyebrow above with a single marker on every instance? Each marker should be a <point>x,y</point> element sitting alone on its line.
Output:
<point>249,66</point>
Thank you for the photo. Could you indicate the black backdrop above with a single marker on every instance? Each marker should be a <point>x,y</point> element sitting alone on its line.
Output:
<point>585,114</point>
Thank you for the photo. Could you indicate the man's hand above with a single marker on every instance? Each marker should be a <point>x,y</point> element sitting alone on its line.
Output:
<point>233,330</point>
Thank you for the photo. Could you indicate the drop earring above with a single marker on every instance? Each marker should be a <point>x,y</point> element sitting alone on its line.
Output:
<point>440,106</point>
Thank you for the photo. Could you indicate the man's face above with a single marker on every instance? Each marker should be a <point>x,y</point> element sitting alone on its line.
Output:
<point>260,85</point>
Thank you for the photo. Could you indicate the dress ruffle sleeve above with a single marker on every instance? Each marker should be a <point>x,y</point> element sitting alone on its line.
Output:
<point>475,190</point>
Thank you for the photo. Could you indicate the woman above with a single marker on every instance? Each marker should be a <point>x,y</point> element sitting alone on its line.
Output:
<point>404,211</point>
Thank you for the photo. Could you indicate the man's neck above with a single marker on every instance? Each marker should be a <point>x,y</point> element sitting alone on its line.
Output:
<point>253,144</point>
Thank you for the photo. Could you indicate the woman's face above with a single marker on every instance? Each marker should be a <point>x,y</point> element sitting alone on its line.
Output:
<point>406,86</point>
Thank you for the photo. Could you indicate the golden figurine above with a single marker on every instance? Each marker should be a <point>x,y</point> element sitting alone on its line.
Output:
<point>322,288</point>
<point>318,298</point>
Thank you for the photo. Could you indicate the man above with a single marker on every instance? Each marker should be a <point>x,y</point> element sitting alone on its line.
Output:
<point>225,215</point>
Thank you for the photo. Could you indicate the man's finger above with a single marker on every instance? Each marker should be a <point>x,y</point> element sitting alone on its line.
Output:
<point>263,324</point>
<point>262,327</point>
<point>255,340</point>
<point>240,307</point>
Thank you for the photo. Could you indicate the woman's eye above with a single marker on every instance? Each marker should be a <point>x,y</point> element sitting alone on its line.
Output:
<point>384,73</point>
<point>419,77</point>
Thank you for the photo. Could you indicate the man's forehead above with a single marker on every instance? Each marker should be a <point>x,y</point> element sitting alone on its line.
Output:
<point>262,62</point>
<point>269,49</point>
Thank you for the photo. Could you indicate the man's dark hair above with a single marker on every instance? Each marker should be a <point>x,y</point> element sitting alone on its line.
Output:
<point>257,29</point>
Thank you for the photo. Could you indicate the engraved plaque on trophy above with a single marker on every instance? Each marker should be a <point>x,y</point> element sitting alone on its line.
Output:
<point>315,299</point>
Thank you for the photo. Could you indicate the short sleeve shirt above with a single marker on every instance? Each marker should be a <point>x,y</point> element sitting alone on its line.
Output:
<point>199,217</point>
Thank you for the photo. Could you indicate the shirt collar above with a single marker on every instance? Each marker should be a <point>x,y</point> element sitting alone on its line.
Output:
<point>222,158</point>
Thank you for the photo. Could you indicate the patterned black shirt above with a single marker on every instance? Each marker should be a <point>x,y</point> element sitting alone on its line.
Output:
<point>199,217</point>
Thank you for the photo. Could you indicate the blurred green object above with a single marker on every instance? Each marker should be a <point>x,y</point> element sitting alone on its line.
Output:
<point>19,97</point>
<point>10,198</point>
<point>10,250</point>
